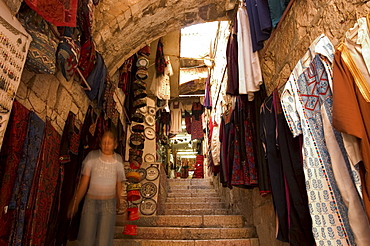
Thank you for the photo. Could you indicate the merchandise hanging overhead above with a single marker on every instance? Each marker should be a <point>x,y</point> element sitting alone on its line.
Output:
<point>14,44</point>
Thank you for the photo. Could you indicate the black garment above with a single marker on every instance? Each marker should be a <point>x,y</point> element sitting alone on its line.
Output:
<point>300,230</point>
<point>70,169</point>
<point>275,168</point>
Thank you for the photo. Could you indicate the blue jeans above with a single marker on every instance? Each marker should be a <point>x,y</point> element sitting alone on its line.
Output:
<point>97,222</point>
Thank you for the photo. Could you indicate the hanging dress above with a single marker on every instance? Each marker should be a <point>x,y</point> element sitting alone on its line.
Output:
<point>303,97</point>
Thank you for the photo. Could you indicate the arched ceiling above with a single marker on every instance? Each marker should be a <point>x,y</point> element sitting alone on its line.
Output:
<point>122,27</point>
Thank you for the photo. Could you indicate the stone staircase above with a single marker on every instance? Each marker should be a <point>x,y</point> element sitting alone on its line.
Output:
<point>193,216</point>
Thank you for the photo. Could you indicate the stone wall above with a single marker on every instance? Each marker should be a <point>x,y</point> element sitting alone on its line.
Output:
<point>305,21</point>
<point>53,97</point>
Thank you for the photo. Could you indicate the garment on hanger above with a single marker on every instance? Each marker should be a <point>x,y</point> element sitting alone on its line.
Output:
<point>260,22</point>
<point>25,175</point>
<point>11,153</point>
<point>196,121</point>
<point>43,188</point>
<point>352,116</point>
<point>249,69</point>
<point>176,117</point>
<point>275,167</point>
<point>306,95</point>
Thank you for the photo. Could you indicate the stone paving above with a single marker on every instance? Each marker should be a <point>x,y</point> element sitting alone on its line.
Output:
<point>193,216</point>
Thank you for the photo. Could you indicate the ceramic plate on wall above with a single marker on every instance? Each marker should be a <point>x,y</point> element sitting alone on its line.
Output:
<point>148,206</point>
<point>149,133</point>
<point>149,119</point>
<point>152,173</point>
<point>149,158</point>
<point>148,190</point>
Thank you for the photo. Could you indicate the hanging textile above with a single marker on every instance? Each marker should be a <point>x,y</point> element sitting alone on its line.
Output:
<point>275,167</point>
<point>352,116</point>
<point>25,175</point>
<point>59,13</point>
<point>207,103</point>
<point>250,75</point>
<point>69,169</point>
<point>124,75</point>
<point>306,97</point>
<point>11,154</point>
<point>232,87</point>
<point>44,187</point>
<point>196,121</point>
<point>277,8</point>
<point>260,22</point>
<point>176,117</point>
<point>14,44</point>
<point>160,61</point>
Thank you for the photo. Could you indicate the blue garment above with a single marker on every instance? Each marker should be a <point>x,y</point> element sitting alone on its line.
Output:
<point>25,174</point>
<point>96,81</point>
<point>97,222</point>
<point>277,8</point>
<point>259,21</point>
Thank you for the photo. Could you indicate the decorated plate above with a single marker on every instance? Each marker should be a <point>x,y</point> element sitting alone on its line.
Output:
<point>142,172</point>
<point>148,206</point>
<point>151,110</point>
<point>152,173</point>
<point>149,158</point>
<point>149,133</point>
<point>149,119</point>
<point>148,190</point>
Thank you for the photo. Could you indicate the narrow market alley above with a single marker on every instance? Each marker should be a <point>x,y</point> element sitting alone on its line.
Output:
<point>184,122</point>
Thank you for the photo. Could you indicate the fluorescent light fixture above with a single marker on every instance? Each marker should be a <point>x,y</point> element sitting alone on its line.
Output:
<point>187,152</point>
<point>197,95</point>
<point>188,156</point>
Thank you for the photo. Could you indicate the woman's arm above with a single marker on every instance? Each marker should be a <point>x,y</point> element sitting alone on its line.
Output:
<point>81,190</point>
<point>118,194</point>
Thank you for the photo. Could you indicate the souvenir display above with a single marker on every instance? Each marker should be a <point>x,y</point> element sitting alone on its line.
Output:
<point>148,190</point>
<point>152,173</point>
<point>151,110</point>
<point>149,119</point>
<point>14,45</point>
<point>143,109</point>
<point>148,207</point>
<point>142,172</point>
<point>149,158</point>
<point>149,133</point>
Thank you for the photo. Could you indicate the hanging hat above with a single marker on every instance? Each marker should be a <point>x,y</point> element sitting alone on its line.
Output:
<point>139,103</point>
<point>133,213</point>
<point>142,73</point>
<point>138,128</point>
<point>133,177</point>
<point>142,62</point>
<point>136,186</point>
<point>137,117</point>
<point>139,84</point>
<point>133,195</point>
<point>145,50</point>
<point>140,93</point>
<point>130,230</point>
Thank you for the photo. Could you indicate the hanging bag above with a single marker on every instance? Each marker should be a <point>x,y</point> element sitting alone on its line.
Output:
<point>41,57</point>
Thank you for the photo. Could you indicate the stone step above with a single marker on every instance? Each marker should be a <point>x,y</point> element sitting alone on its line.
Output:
<point>217,242</point>
<point>191,187</point>
<point>189,182</point>
<point>177,233</point>
<point>199,205</point>
<point>192,190</point>
<point>192,199</point>
<point>195,212</point>
<point>192,194</point>
<point>200,221</point>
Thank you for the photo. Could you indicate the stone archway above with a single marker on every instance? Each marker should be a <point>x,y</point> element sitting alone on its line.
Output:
<point>123,27</point>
